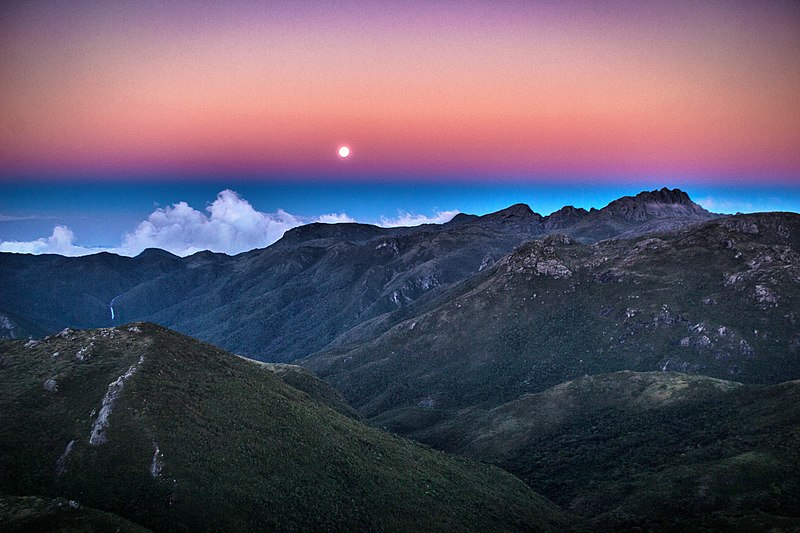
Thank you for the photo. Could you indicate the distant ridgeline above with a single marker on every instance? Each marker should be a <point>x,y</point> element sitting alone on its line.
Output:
<point>319,286</point>
<point>633,364</point>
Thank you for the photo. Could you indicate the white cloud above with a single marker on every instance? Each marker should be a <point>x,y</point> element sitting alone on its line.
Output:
<point>335,218</point>
<point>232,226</point>
<point>405,218</point>
<point>721,205</point>
<point>15,218</point>
<point>229,225</point>
<point>61,242</point>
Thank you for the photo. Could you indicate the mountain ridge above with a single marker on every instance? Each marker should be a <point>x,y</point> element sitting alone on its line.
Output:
<point>716,299</point>
<point>630,363</point>
<point>364,274</point>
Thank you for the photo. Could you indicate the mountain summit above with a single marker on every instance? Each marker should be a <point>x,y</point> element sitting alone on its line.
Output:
<point>663,203</point>
<point>514,211</point>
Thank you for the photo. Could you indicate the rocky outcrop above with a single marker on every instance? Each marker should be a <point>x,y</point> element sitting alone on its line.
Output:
<point>564,217</point>
<point>663,203</point>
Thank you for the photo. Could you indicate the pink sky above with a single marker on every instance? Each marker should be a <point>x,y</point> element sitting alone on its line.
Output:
<point>517,89</point>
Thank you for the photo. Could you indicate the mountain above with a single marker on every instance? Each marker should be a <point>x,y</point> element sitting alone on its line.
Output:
<point>648,451</point>
<point>14,327</point>
<point>718,299</point>
<point>564,218</point>
<point>53,292</point>
<point>320,286</point>
<point>634,364</point>
<point>631,216</point>
<point>527,366</point>
<point>138,425</point>
<point>660,204</point>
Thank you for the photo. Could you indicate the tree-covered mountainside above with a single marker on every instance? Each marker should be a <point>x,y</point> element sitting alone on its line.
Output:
<point>527,366</point>
<point>632,364</point>
<point>720,299</point>
<point>656,450</point>
<point>146,425</point>
<point>320,285</point>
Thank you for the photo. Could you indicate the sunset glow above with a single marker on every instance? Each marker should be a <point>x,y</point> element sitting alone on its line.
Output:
<point>372,111</point>
<point>614,90</point>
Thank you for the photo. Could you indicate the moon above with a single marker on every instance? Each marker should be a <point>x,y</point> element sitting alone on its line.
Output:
<point>344,151</point>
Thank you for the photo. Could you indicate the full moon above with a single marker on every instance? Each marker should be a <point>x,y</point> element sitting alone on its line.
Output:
<point>344,151</point>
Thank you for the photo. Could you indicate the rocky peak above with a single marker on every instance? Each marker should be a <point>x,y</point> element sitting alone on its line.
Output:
<point>566,216</point>
<point>665,196</point>
<point>156,253</point>
<point>461,218</point>
<point>662,203</point>
<point>514,212</point>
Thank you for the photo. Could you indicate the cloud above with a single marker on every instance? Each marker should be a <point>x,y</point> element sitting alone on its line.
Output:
<point>231,226</point>
<point>335,218</point>
<point>14,218</point>
<point>405,218</point>
<point>61,242</point>
<point>721,205</point>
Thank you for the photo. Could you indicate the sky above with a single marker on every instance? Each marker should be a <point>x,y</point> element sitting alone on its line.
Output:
<point>112,113</point>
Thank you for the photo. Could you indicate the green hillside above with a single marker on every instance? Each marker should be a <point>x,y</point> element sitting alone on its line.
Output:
<point>658,450</point>
<point>177,435</point>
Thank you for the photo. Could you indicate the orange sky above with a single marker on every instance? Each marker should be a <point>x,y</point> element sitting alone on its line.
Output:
<point>514,89</point>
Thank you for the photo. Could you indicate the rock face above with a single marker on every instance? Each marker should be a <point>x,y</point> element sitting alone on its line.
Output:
<point>634,216</point>
<point>14,327</point>
<point>199,439</point>
<point>100,425</point>
<point>7,328</point>
<point>664,203</point>
<point>564,218</point>
<point>321,285</point>
<point>539,258</point>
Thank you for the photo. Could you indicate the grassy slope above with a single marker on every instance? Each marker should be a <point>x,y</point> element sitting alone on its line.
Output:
<point>657,450</point>
<point>238,448</point>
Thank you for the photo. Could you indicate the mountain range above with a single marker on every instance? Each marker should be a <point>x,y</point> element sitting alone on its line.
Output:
<point>635,365</point>
<point>313,288</point>
<point>719,298</point>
